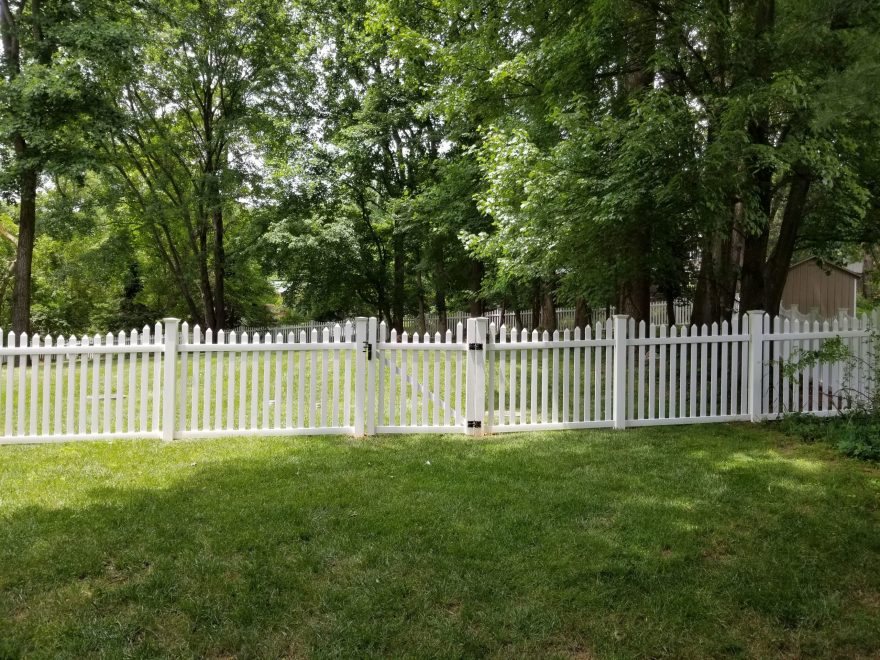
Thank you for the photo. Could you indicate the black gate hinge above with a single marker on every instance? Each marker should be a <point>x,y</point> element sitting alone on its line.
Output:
<point>474,424</point>
<point>475,347</point>
<point>368,349</point>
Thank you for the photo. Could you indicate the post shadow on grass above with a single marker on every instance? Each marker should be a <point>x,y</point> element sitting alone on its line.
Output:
<point>460,549</point>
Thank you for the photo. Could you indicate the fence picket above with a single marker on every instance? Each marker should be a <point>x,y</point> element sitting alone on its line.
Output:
<point>713,373</point>
<point>588,414</point>
<point>207,421</point>
<point>404,358</point>
<point>435,400</point>
<point>414,383</point>
<point>523,368</point>
<point>541,414</point>
<point>96,389</point>
<point>425,381</point>
<point>661,402</point>
<point>325,369</point>
<point>10,390</point>
<point>35,375</point>
<point>724,374</point>
<point>157,374</point>
<point>597,376</point>
<point>447,375</point>
<point>502,372</point>
<point>459,339</point>
<point>640,401</point>
<point>576,379</point>
<point>734,367</point>
<point>566,337</point>
<point>348,334</point>
<point>682,376</point>
<point>673,375</point>
<point>694,360</point>
<point>554,383</point>
<point>337,338</point>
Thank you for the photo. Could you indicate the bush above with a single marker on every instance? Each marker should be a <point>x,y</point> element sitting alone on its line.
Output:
<point>855,434</point>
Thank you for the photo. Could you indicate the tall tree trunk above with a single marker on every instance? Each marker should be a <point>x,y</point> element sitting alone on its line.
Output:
<point>205,278</point>
<point>635,290</point>
<point>398,282</point>
<point>475,308</point>
<point>440,293</point>
<point>548,308</point>
<point>24,252</point>
<point>776,270</point>
<point>423,318</point>
<point>670,308</point>
<point>219,270</point>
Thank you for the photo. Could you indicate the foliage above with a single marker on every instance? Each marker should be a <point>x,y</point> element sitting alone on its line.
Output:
<point>854,433</point>
<point>856,430</point>
<point>395,157</point>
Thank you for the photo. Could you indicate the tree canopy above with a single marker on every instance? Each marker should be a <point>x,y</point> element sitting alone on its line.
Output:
<point>238,162</point>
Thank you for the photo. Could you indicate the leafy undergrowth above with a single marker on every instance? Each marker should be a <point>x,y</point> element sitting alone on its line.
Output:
<point>855,434</point>
<point>706,541</point>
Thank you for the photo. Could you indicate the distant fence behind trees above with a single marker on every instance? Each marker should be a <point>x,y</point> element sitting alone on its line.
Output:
<point>521,320</point>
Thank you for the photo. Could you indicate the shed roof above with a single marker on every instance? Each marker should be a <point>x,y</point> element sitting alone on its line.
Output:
<point>827,264</point>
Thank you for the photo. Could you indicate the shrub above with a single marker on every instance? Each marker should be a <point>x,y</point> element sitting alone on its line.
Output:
<point>856,431</point>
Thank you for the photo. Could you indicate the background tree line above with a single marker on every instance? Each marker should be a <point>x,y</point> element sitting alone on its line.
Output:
<point>397,157</point>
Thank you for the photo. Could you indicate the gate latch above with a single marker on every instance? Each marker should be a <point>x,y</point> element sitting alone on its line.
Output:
<point>368,349</point>
<point>474,424</point>
<point>475,347</point>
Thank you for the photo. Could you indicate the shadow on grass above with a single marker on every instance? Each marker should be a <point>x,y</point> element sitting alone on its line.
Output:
<point>708,542</point>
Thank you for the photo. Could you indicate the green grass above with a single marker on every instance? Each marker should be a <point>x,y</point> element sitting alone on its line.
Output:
<point>713,541</point>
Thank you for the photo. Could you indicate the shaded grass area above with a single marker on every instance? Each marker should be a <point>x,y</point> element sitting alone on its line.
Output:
<point>707,541</point>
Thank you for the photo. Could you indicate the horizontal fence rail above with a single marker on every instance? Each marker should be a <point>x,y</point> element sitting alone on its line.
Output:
<point>360,378</point>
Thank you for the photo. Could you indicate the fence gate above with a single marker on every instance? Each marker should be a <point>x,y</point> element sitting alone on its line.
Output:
<point>420,382</point>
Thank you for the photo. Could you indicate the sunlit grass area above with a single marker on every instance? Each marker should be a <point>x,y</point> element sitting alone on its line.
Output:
<point>708,541</point>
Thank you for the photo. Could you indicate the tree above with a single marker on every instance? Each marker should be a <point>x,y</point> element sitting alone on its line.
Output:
<point>60,63</point>
<point>214,75</point>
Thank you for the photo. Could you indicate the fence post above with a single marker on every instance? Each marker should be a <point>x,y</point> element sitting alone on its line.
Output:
<point>360,374</point>
<point>169,377</point>
<point>372,333</point>
<point>475,376</point>
<point>756,362</point>
<point>619,399</point>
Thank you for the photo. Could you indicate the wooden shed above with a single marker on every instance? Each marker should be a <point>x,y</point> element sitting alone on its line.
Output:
<point>824,289</point>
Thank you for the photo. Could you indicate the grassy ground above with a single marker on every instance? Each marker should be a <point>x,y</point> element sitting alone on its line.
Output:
<point>713,541</point>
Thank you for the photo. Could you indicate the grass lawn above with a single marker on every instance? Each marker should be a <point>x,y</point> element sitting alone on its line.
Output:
<point>706,541</point>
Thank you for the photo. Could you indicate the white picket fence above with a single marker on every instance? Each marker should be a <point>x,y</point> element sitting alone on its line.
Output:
<point>360,379</point>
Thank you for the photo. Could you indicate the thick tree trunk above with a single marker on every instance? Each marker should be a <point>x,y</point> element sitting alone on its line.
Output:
<point>24,252</point>
<point>719,272</point>
<point>548,309</point>
<point>582,313</point>
<point>536,305</point>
